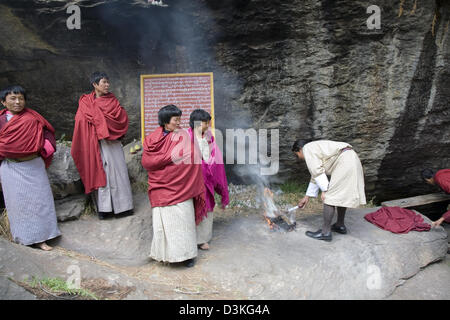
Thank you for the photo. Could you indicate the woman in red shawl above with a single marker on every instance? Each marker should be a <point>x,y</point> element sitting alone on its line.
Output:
<point>213,172</point>
<point>175,189</point>
<point>27,144</point>
<point>97,151</point>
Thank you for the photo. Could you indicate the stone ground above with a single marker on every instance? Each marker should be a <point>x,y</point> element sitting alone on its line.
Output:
<point>246,261</point>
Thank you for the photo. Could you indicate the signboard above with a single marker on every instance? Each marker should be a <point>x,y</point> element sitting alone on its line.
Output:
<point>188,91</point>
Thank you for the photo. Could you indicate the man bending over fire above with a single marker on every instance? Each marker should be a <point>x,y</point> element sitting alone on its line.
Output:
<point>345,188</point>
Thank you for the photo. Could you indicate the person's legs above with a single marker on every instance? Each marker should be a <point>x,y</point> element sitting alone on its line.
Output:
<point>339,226</point>
<point>341,216</point>
<point>325,232</point>
<point>204,231</point>
<point>328,213</point>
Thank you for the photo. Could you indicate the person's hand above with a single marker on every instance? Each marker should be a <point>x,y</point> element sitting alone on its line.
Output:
<point>322,196</point>
<point>303,202</point>
<point>437,223</point>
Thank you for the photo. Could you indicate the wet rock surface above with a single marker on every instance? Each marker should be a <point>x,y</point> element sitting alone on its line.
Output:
<point>120,239</point>
<point>246,260</point>
<point>70,208</point>
<point>366,263</point>
<point>63,174</point>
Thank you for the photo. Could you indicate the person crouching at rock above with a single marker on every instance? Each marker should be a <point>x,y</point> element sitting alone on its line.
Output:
<point>27,144</point>
<point>345,188</point>
<point>175,188</point>
<point>441,179</point>
<point>100,123</point>
<point>213,172</point>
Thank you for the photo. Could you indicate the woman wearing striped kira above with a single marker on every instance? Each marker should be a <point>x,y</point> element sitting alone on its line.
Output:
<point>27,144</point>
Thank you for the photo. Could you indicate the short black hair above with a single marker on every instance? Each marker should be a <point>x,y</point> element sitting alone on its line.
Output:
<point>166,113</point>
<point>299,143</point>
<point>97,76</point>
<point>427,174</point>
<point>12,89</point>
<point>198,115</point>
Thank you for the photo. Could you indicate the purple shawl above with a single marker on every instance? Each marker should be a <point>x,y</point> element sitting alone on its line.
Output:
<point>214,174</point>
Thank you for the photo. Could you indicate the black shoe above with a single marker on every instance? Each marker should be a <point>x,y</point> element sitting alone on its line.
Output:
<point>102,215</point>
<point>319,236</point>
<point>341,230</point>
<point>189,263</point>
<point>124,214</point>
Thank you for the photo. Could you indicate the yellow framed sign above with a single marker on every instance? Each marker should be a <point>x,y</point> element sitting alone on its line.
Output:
<point>188,91</point>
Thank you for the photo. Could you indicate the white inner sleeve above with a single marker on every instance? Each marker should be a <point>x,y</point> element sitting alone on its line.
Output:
<point>313,190</point>
<point>322,182</point>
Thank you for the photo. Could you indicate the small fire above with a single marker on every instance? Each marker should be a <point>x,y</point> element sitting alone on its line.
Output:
<point>269,222</point>
<point>274,218</point>
<point>268,200</point>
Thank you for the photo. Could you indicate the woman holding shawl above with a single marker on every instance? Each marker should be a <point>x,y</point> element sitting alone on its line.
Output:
<point>27,144</point>
<point>97,151</point>
<point>213,172</point>
<point>175,189</point>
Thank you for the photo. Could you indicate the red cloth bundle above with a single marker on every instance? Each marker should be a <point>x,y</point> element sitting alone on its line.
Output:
<point>397,220</point>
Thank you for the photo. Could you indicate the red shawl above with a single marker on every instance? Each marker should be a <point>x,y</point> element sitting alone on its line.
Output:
<point>173,176</point>
<point>397,220</point>
<point>442,179</point>
<point>96,119</point>
<point>23,135</point>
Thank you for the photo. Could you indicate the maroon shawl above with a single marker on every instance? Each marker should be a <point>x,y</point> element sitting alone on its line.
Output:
<point>173,175</point>
<point>96,119</point>
<point>397,220</point>
<point>25,135</point>
<point>442,179</point>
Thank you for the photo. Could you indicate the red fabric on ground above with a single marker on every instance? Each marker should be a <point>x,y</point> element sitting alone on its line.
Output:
<point>24,135</point>
<point>170,179</point>
<point>397,220</point>
<point>96,119</point>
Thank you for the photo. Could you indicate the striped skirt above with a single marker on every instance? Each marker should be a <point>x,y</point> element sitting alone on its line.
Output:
<point>29,201</point>
<point>116,196</point>
<point>174,237</point>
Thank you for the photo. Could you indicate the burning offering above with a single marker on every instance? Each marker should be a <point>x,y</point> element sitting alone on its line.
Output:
<point>276,219</point>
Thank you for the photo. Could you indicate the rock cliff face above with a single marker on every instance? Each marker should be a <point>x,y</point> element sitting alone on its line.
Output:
<point>309,68</point>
